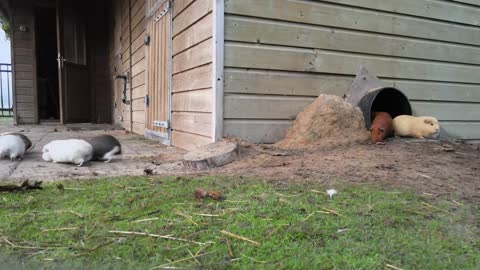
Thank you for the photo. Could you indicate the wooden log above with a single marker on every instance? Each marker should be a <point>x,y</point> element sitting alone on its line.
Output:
<point>211,155</point>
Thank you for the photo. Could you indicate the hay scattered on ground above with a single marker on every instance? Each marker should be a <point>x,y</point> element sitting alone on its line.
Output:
<point>328,121</point>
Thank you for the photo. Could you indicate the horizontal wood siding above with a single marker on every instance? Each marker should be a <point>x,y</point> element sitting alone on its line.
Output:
<point>281,54</point>
<point>127,57</point>
<point>24,63</point>
<point>192,73</point>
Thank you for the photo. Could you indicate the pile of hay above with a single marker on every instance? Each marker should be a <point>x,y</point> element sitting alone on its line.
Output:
<point>328,121</point>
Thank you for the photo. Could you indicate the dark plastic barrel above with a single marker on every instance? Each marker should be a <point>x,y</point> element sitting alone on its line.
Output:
<point>387,99</point>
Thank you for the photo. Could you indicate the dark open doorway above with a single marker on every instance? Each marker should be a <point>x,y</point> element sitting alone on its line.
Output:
<point>47,67</point>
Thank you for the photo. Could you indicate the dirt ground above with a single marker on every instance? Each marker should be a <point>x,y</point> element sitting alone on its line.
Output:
<point>423,166</point>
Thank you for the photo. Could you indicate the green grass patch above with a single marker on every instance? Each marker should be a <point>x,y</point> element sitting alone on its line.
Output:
<point>294,224</point>
<point>6,120</point>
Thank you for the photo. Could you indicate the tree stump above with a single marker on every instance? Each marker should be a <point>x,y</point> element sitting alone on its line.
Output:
<point>211,155</point>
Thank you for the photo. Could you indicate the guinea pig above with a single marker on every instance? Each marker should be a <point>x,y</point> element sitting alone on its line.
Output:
<point>12,146</point>
<point>68,151</point>
<point>381,127</point>
<point>25,139</point>
<point>105,147</point>
<point>418,127</point>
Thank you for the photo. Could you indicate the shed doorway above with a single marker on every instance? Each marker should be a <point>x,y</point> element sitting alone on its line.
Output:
<point>47,71</point>
<point>63,88</point>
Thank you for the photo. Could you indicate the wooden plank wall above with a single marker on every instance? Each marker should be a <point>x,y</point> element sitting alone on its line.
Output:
<point>127,57</point>
<point>281,54</point>
<point>192,73</point>
<point>24,63</point>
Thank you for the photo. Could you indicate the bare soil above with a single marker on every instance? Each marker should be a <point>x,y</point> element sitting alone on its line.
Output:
<point>423,166</point>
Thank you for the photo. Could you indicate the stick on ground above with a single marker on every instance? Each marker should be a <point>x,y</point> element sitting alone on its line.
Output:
<point>240,237</point>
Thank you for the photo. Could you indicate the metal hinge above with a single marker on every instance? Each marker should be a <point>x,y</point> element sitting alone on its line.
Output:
<point>162,124</point>
<point>147,100</point>
<point>146,40</point>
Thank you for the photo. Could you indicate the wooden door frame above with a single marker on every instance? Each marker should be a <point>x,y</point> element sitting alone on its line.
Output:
<point>151,133</point>
<point>60,53</point>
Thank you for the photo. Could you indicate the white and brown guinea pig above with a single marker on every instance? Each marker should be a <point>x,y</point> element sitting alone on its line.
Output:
<point>25,139</point>
<point>105,147</point>
<point>12,146</point>
<point>68,151</point>
<point>418,127</point>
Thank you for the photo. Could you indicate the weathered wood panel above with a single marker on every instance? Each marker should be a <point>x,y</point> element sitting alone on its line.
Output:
<point>241,81</point>
<point>281,54</point>
<point>24,64</point>
<point>441,10</point>
<point>462,130</point>
<point>198,55</point>
<point>191,14</point>
<point>198,78</point>
<point>261,131</point>
<point>319,61</point>
<point>193,122</point>
<point>192,101</point>
<point>263,31</point>
<point>448,111</point>
<point>189,141</point>
<point>195,34</point>
<point>264,107</point>
<point>192,73</point>
<point>352,18</point>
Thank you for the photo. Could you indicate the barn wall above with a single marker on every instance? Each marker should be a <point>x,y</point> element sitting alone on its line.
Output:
<point>24,63</point>
<point>281,54</point>
<point>127,57</point>
<point>192,73</point>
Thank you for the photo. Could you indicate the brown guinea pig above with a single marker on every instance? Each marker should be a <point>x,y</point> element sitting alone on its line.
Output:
<point>382,127</point>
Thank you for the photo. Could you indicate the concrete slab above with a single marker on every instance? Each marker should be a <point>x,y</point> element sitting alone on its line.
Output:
<point>138,154</point>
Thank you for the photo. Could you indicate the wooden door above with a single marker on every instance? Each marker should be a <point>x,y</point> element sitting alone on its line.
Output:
<point>158,69</point>
<point>75,98</point>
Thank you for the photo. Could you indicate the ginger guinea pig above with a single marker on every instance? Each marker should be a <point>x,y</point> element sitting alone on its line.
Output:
<point>418,127</point>
<point>381,127</point>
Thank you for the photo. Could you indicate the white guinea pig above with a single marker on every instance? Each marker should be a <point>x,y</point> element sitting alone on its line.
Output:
<point>68,151</point>
<point>418,127</point>
<point>12,146</point>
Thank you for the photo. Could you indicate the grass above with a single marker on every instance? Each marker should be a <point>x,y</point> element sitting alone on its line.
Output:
<point>6,120</point>
<point>296,226</point>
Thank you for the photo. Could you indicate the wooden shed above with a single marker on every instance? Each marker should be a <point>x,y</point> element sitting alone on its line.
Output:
<point>189,72</point>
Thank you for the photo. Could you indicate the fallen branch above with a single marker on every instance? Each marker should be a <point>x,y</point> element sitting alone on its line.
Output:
<point>168,237</point>
<point>240,237</point>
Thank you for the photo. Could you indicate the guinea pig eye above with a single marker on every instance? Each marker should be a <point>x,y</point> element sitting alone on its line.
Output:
<point>431,124</point>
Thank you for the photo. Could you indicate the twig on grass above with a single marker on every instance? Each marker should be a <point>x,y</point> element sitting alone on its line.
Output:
<point>61,229</point>
<point>189,218</point>
<point>436,208</point>
<point>252,259</point>
<point>145,220</point>
<point>193,256</point>
<point>230,250</point>
<point>332,212</point>
<point>240,237</point>
<point>389,266</point>
<point>177,261</point>
<point>168,237</point>
<point>70,212</point>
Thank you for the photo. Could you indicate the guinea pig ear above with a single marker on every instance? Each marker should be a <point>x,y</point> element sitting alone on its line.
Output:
<point>427,121</point>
